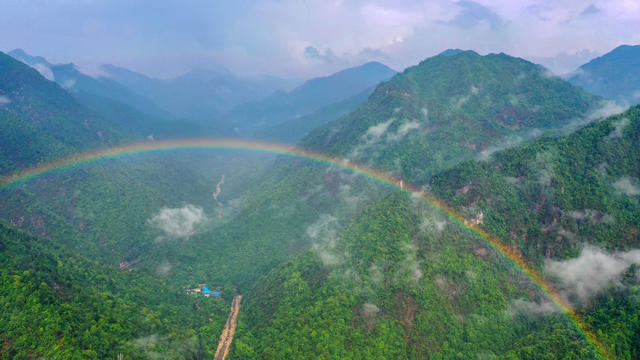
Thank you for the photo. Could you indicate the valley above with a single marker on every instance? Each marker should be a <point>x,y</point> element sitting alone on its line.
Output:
<point>314,199</point>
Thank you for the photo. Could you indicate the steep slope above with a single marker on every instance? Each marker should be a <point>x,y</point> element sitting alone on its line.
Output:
<point>247,119</point>
<point>614,75</point>
<point>59,305</point>
<point>450,108</point>
<point>394,285</point>
<point>41,121</point>
<point>402,281</point>
<point>569,198</point>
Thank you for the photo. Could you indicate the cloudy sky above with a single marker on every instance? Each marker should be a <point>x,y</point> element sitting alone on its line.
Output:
<point>303,38</point>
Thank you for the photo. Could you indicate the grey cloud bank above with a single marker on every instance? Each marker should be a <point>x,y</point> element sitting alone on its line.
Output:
<point>314,37</point>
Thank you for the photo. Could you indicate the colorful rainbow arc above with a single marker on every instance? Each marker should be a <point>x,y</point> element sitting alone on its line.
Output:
<point>509,253</point>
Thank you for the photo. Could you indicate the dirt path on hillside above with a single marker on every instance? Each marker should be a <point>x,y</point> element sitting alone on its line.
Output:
<point>226,338</point>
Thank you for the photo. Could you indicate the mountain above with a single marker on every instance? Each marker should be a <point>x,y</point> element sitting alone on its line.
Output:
<point>402,280</point>
<point>256,237</point>
<point>450,108</point>
<point>249,118</point>
<point>292,130</point>
<point>41,121</point>
<point>200,94</point>
<point>61,305</point>
<point>614,75</point>
<point>76,82</point>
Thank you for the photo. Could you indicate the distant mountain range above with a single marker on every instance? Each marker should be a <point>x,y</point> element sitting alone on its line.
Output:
<point>200,95</point>
<point>614,75</point>
<point>280,108</point>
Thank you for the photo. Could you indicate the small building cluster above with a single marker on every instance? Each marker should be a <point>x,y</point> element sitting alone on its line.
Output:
<point>203,290</point>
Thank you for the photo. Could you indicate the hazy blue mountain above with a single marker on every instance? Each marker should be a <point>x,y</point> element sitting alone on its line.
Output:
<point>614,75</point>
<point>291,131</point>
<point>249,118</point>
<point>76,82</point>
<point>42,121</point>
<point>201,94</point>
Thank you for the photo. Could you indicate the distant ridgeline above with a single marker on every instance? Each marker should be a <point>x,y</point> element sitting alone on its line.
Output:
<point>614,75</point>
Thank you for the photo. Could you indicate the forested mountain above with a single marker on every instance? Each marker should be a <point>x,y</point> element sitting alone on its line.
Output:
<point>403,281</point>
<point>60,305</point>
<point>270,222</point>
<point>281,107</point>
<point>614,75</point>
<point>450,108</point>
<point>120,106</point>
<point>41,121</point>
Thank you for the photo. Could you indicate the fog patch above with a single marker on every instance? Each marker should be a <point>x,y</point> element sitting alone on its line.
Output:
<point>163,269</point>
<point>376,131</point>
<point>432,223</point>
<point>509,142</point>
<point>68,84</point>
<point>591,272</point>
<point>619,127</point>
<point>325,242</point>
<point>531,308</point>
<point>607,108</point>
<point>403,130</point>
<point>44,70</point>
<point>627,186</point>
<point>370,310</point>
<point>410,266</point>
<point>592,215</point>
<point>4,100</point>
<point>177,223</point>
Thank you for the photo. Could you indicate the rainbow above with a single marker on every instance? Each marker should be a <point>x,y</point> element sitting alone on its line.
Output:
<point>509,253</point>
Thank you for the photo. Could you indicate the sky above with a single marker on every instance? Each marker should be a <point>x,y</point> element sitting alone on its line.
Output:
<point>306,38</point>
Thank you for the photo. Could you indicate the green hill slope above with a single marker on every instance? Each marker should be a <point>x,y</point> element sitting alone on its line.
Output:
<point>401,281</point>
<point>451,108</point>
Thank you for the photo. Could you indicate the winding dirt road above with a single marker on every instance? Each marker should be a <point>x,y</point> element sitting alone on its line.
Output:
<point>226,338</point>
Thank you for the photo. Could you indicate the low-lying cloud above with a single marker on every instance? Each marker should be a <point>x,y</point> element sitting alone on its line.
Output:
<point>4,100</point>
<point>44,70</point>
<point>178,223</point>
<point>532,308</point>
<point>627,186</point>
<point>591,272</point>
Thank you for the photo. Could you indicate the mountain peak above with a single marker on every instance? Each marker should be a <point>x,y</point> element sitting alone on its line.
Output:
<point>23,56</point>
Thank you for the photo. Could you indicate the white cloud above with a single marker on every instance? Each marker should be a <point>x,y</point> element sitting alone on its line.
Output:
<point>323,233</point>
<point>607,108</point>
<point>532,308</point>
<point>68,84</point>
<point>164,268</point>
<point>4,100</point>
<point>44,70</point>
<point>178,222</point>
<point>592,215</point>
<point>591,272</point>
<point>403,130</point>
<point>375,131</point>
<point>620,125</point>
<point>627,185</point>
